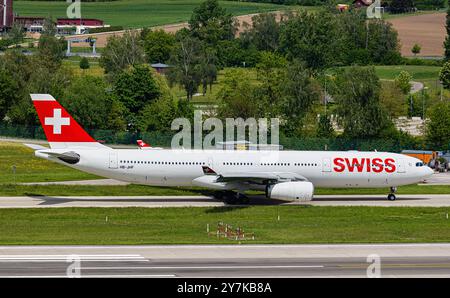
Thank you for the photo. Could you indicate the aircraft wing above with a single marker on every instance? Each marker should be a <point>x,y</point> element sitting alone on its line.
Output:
<point>260,176</point>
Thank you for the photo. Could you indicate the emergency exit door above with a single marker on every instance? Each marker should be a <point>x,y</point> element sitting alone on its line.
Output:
<point>113,164</point>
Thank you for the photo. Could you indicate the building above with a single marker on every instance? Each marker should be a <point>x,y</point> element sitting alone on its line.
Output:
<point>6,14</point>
<point>160,68</point>
<point>63,26</point>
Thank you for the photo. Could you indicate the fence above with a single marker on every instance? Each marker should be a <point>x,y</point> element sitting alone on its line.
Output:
<point>161,139</point>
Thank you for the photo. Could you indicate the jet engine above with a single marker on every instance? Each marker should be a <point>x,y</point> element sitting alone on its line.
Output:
<point>292,191</point>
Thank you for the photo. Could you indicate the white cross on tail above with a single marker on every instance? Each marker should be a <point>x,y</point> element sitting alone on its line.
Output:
<point>57,121</point>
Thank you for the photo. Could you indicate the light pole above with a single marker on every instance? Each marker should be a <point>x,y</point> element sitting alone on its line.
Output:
<point>423,102</point>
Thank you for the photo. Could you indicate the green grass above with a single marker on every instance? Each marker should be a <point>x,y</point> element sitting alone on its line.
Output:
<point>136,13</point>
<point>142,190</point>
<point>418,72</point>
<point>298,224</point>
<point>94,190</point>
<point>388,16</point>
<point>30,168</point>
<point>94,70</point>
<point>429,75</point>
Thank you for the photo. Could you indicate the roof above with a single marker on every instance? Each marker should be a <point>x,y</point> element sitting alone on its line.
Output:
<point>160,65</point>
<point>417,151</point>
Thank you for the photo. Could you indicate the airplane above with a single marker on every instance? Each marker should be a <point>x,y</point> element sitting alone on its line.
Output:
<point>282,175</point>
<point>144,146</point>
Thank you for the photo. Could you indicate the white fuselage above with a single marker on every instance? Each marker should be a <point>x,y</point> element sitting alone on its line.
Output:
<point>350,169</point>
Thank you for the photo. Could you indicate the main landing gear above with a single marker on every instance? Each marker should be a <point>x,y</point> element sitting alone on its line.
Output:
<point>391,196</point>
<point>232,198</point>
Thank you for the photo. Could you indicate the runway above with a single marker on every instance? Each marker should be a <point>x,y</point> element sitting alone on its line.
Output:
<point>258,261</point>
<point>204,201</point>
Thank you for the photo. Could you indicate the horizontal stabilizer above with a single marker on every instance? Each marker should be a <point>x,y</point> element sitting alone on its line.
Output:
<point>36,147</point>
<point>69,157</point>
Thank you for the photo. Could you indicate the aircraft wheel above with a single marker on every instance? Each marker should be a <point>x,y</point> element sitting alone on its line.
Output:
<point>392,197</point>
<point>243,199</point>
<point>231,198</point>
<point>219,195</point>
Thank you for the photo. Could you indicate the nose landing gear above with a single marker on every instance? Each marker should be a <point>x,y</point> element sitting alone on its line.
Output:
<point>391,196</point>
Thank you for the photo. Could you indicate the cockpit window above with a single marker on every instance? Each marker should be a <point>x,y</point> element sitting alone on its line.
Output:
<point>419,164</point>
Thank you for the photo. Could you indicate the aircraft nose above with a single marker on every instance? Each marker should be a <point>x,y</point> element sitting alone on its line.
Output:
<point>429,171</point>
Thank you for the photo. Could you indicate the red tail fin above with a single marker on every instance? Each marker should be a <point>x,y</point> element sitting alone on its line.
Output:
<point>61,130</point>
<point>142,144</point>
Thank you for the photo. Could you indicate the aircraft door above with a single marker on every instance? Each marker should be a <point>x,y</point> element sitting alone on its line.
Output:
<point>210,162</point>
<point>326,165</point>
<point>401,166</point>
<point>113,164</point>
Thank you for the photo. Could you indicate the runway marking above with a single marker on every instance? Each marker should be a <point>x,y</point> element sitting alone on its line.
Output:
<point>204,267</point>
<point>59,258</point>
<point>93,276</point>
<point>2,257</point>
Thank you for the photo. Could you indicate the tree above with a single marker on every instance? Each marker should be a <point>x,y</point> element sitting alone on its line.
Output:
<point>122,52</point>
<point>9,91</point>
<point>35,75</point>
<point>135,88</point>
<point>237,96</point>
<point>299,93</point>
<point>185,61</point>
<point>84,63</point>
<point>447,37</point>
<point>325,127</point>
<point>401,6</point>
<point>438,127</point>
<point>416,49</point>
<point>208,69</point>
<point>211,23</point>
<point>16,34</point>
<point>393,100</point>
<point>88,102</point>
<point>403,81</point>
<point>444,75</point>
<point>359,109</point>
<point>264,34</point>
<point>157,45</point>
<point>317,47</point>
<point>51,49</point>
<point>166,107</point>
<point>382,42</point>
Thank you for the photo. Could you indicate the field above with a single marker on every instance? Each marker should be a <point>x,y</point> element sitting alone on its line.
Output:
<point>427,30</point>
<point>136,13</point>
<point>419,73</point>
<point>297,224</point>
<point>30,168</point>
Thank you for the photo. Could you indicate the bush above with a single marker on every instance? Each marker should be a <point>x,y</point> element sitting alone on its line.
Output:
<point>422,62</point>
<point>106,29</point>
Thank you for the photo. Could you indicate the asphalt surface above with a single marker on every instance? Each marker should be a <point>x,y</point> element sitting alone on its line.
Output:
<point>436,179</point>
<point>203,201</point>
<point>402,260</point>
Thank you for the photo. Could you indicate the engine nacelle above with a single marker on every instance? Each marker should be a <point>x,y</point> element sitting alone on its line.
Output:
<point>292,191</point>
